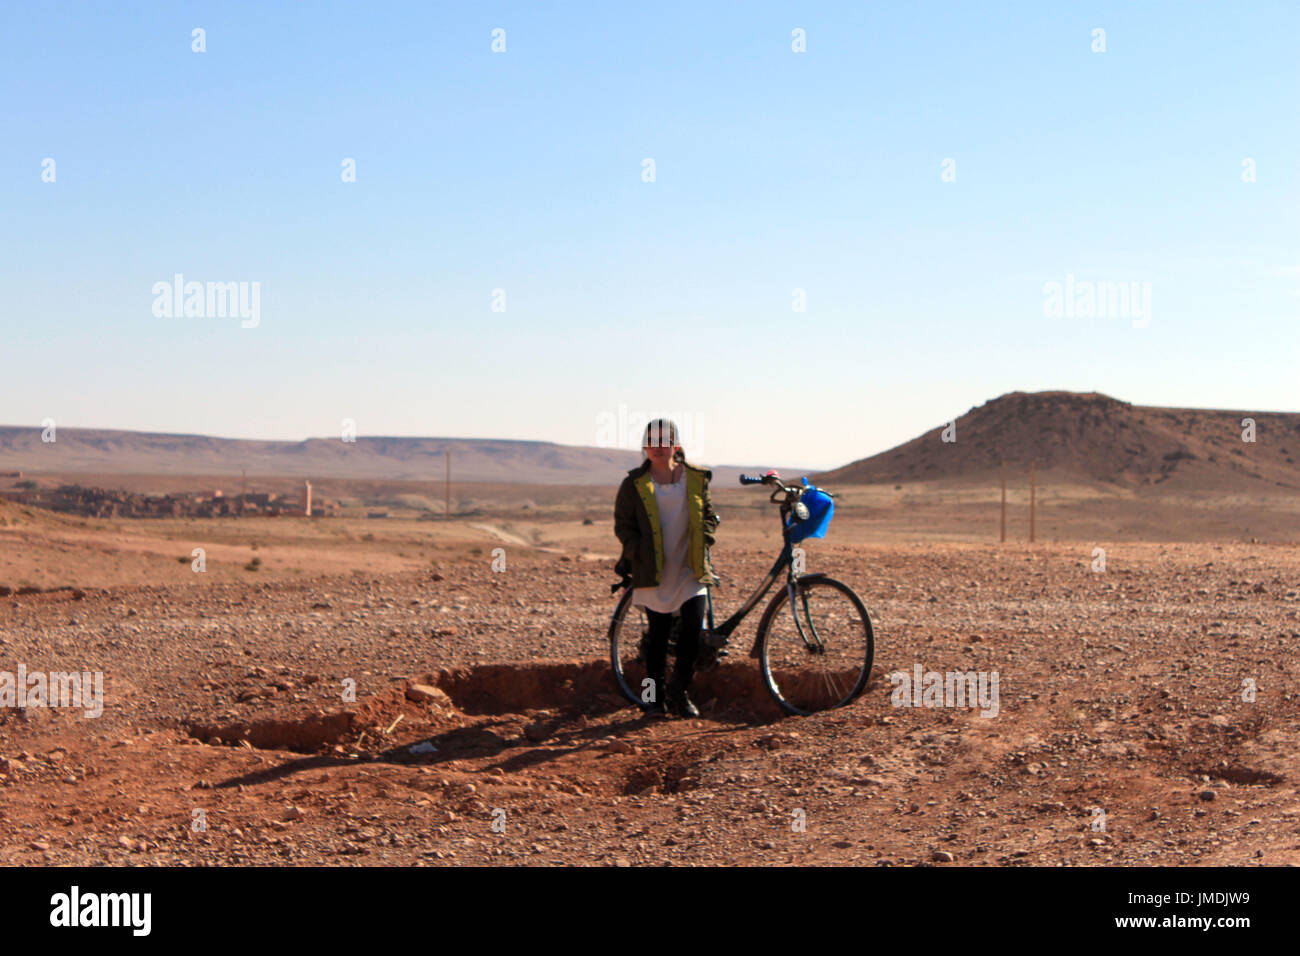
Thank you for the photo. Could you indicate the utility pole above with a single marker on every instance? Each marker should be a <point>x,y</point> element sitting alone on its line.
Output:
<point>1033,489</point>
<point>1004,500</point>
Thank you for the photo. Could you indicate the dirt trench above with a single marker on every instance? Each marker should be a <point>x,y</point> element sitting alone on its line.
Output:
<point>571,687</point>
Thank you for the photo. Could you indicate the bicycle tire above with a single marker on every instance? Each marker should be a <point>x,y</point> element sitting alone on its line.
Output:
<point>800,707</point>
<point>621,631</point>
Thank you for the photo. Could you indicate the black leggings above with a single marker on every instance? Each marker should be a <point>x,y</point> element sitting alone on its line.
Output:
<point>688,641</point>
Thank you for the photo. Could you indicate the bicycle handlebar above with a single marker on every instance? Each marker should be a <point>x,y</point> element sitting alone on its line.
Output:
<point>771,478</point>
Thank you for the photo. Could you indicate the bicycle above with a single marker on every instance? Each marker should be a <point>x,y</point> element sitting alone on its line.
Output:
<point>816,657</point>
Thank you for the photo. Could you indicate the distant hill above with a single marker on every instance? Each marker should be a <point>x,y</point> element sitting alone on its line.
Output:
<point>1077,437</point>
<point>109,452</point>
<point>1094,438</point>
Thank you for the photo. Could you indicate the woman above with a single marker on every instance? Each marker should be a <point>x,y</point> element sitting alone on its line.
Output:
<point>664,518</point>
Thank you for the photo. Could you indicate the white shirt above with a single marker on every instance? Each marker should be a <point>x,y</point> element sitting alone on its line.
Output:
<point>677,584</point>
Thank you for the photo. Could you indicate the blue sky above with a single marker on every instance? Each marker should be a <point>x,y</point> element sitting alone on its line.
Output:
<point>522,171</point>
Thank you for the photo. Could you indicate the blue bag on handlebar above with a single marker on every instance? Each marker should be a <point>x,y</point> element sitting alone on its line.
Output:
<point>820,508</point>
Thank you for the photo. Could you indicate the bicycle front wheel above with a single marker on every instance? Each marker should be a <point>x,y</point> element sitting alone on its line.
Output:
<point>817,654</point>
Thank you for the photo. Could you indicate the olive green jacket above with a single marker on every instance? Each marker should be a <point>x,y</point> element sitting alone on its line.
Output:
<point>636,524</point>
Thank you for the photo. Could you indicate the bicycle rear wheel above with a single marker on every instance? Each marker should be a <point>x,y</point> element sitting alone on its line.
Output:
<point>629,630</point>
<point>816,655</point>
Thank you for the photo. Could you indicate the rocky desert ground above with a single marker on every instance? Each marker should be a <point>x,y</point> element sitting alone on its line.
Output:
<point>1148,707</point>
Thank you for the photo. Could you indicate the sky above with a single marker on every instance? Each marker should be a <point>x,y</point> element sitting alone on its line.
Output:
<point>835,248</point>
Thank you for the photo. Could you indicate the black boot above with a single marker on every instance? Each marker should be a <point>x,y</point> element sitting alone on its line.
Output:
<point>688,651</point>
<point>680,701</point>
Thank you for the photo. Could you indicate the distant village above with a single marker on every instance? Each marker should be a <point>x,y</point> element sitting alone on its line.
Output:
<point>109,503</point>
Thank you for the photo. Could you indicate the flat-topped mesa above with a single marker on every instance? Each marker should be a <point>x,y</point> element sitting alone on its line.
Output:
<point>118,452</point>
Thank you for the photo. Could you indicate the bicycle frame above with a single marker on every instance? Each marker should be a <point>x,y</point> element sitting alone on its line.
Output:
<point>717,637</point>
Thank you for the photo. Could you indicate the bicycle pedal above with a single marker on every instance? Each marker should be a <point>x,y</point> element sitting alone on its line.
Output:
<point>709,658</point>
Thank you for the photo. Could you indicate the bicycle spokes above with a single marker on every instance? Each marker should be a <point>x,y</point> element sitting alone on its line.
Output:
<point>816,653</point>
